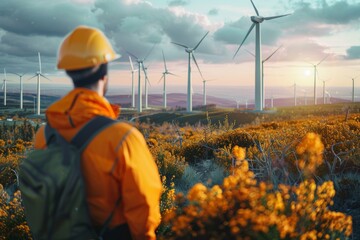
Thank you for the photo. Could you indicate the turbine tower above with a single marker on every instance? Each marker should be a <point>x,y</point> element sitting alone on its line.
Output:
<point>146,86</point>
<point>132,83</point>
<point>324,99</point>
<point>262,69</point>
<point>295,102</point>
<point>21,88</point>
<point>4,87</point>
<point>315,76</point>
<point>353,88</point>
<point>257,20</point>
<point>140,62</point>
<point>190,52</point>
<point>38,74</point>
<point>166,71</point>
<point>204,91</point>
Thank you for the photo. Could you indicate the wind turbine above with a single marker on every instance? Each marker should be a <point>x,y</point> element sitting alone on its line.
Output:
<point>204,90</point>
<point>140,62</point>
<point>21,88</point>
<point>4,87</point>
<point>328,97</point>
<point>295,94</point>
<point>190,52</point>
<point>38,74</point>
<point>146,86</point>
<point>324,92</point>
<point>315,76</point>
<point>257,20</point>
<point>166,71</point>
<point>132,84</point>
<point>305,99</point>
<point>262,69</point>
<point>353,87</point>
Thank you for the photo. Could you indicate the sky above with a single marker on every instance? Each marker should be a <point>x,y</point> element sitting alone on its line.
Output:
<point>315,29</point>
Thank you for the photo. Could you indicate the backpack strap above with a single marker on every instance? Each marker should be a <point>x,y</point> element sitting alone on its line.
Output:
<point>90,130</point>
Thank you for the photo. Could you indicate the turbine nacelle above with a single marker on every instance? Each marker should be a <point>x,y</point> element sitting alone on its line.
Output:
<point>189,50</point>
<point>257,19</point>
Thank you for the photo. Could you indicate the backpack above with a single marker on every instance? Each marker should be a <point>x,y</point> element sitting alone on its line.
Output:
<point>52,186</point>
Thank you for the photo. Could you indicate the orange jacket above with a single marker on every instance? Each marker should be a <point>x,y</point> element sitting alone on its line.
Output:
<point>116,163</point>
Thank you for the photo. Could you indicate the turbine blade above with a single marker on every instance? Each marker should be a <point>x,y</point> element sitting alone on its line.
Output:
<point>273,17</point>
<point>272,54</point>
<point>252,26</point>
<point>144,70</point>
<point>193,57</point>
<point>131,64</point>
<point>257,12</point>
<point>200,41</point>
<point>323,59</point>
<point>32,77</point>
<point>249,52</point>
<point>149,52</point>
<point>181,45</point>
<point>2,87</point>
<point>164,60</point>
<point>45,77</point>
<point>161,77</point>
<point>132,55</point>
<point>16,74</point>
<point>172,74</point>
<point>39,61</point>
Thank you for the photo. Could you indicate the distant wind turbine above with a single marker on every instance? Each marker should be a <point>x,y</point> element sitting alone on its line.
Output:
<point>21,88</point>
<point>315,76</point>
<point>257,20</point>
<point>140,62</point>
<point>147,81</point>
<point>4,87</point>
<point>353,87</point>
<point>328,97</point>
<point>166,71</point>
<point>132,83</point>
<point>262,70</point>
<point>305,99</point>
<point>324,92</point>
<point>295,100</point>
<point>190,52</point>
<point>38,74</point>
<point>204,90</point>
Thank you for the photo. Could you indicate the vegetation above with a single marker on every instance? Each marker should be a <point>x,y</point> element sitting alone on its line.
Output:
<point>292,174</point>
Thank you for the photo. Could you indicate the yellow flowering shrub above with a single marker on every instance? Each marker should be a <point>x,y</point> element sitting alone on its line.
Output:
<point>244,208</point>
<point>12,217</point>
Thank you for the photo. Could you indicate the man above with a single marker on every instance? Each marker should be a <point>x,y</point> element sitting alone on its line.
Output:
<point>117,163</point>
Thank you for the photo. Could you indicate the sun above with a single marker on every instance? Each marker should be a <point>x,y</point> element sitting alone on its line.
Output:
<point>307,72</point>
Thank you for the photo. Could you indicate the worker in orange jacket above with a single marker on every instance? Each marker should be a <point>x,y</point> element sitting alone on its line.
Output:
<point>117,163</point>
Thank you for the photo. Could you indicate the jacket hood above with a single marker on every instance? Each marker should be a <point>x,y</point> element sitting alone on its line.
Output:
<point>78,107</point>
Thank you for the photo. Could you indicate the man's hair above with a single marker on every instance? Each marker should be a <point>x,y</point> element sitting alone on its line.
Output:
<point>87,76</point>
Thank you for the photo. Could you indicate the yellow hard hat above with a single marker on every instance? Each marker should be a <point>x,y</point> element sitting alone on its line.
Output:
<point>85,47</point>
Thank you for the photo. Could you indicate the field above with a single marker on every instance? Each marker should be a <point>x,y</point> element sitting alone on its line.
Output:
<point>288,173</point>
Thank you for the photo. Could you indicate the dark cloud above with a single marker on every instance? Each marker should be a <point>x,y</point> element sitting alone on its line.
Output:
<point>177,3</point>
<point>43,17</point>
<point>340,12</point>
<point>213,12</point>
<point>136,28</point>
<point>353,52</point>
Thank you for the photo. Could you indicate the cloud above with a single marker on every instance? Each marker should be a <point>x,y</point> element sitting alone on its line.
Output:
<point>213,12</point>
<point>43,17</point>
<point>353,52</point>
<point>137,27</point>
<point>177,3</point>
